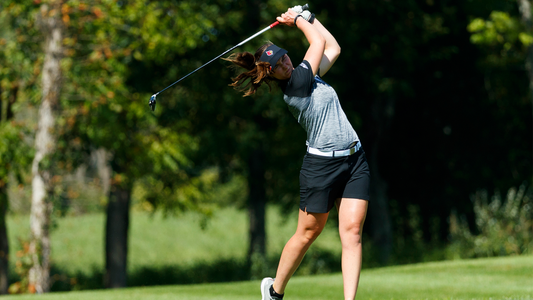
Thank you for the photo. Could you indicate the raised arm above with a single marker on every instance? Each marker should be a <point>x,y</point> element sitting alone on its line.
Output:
<point>317,42</point>
<point>332,49</point>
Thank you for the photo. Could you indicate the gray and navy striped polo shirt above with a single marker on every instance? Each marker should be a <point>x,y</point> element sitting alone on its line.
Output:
<point>316,106</point>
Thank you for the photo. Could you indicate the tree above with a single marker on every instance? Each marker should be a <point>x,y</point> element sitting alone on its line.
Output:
<point>45,147</point>
<point>506,42</point>
<point>219,122</point>
<point>250,134</point>
<point>18,62</point>
<point>524,6</point>
<point>15,157</point>
<point>416,92</point>
<point>108,42</point>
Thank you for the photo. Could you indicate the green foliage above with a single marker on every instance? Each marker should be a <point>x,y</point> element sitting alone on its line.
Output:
<point>106,42</point>
<point>16,84</point>
<point>20,49</point>
<point>196,193</point>
<point>409,243</point>
<point>503,226</point>
<point>502,37</point>
<point>23,265</point>
<point>501,28</point>
<point>15,153</point>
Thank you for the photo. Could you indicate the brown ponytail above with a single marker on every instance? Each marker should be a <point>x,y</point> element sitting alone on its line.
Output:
<point>258,71</point>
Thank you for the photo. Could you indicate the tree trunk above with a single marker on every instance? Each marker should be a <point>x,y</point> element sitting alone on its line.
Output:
<point>380,227</point>
<point>4,241</point>
<point>100,160</point>
<point>4,245</point>
<point>256,178</point>
<point>256,203</point>
<point>524,6</point>
<point>256,213</point>
<point>45,146</point>
<point>116,238</point>
<point>380,223</point>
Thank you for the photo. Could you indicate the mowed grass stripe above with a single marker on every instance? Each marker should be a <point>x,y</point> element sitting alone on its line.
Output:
<point>493,278</point>
<point>496,278</point>
<point>155,241</point>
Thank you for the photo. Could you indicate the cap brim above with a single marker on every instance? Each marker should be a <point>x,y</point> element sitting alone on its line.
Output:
<point>273,59</point>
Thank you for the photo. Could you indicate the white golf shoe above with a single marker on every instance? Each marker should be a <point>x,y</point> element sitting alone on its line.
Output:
<point>265,289</point>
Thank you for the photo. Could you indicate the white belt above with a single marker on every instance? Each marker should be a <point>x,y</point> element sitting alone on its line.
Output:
<point>336,153</point>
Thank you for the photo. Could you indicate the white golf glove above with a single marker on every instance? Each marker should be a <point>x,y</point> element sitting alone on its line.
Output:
<point>297,9</point>
<point>305,14</point>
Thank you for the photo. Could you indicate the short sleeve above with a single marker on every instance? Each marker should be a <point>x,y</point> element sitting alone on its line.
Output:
<point>301,82</point>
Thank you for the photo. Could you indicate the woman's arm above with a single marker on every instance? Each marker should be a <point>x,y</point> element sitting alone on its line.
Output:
<point>317,42</point>
<point>332,49</point>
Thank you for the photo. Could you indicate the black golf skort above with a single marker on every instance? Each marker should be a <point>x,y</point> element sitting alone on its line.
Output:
<point>323,180</point>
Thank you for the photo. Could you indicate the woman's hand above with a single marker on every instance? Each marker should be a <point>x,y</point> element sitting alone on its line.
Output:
<point>287,18</point>
<point>316,41</point>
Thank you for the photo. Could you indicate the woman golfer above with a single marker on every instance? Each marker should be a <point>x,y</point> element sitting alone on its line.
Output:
<point>334,170</point>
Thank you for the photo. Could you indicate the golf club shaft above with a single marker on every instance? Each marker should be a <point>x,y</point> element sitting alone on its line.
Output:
<point>225,52</point>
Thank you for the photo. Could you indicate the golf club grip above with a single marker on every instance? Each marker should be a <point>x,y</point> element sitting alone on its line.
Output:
<point>274,24</point>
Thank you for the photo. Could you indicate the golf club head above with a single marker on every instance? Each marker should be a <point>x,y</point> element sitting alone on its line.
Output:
<point>305,7</point>
<point>152,102</point>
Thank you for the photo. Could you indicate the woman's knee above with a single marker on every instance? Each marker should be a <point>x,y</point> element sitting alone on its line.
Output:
<point>309,235</point>
<point>310,226</point>
<point>351,232</point>
<point>352,215</point>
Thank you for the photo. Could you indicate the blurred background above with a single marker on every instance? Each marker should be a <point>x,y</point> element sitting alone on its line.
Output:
<point>98,191</point>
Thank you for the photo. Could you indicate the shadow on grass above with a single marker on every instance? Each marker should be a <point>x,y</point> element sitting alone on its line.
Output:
<point>219,271</point>
<point>226,270</point>
<point>316,261</point>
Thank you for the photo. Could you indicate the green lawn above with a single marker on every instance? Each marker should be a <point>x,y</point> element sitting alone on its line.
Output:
<point>178,242</point>
<point>154,241</point>
<point>494,278</point>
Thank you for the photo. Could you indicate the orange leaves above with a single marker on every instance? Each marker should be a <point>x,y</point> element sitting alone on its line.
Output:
<point>23,264</point>
<point>65,9</point>
<point>100,52</point>
<point>118,179</point>
<point>72,12</point>
<point>98,12</point>
<point>108,53</point>
<point>73,194</point>
<point>82,6</point>
<point>71,121</point>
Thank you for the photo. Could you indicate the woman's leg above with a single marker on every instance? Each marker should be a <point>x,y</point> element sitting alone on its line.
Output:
<point>352,214</point>
<point>310,225</point>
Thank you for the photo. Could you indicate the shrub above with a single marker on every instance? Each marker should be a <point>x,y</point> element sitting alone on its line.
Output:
<point>501,227</point>
<point>22,268</point>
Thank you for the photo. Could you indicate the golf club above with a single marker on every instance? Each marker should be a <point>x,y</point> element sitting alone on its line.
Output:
<point>153,98</point>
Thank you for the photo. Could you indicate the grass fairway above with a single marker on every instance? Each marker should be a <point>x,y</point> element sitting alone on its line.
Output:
<point>494,278</point>
<point>155,241</point>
